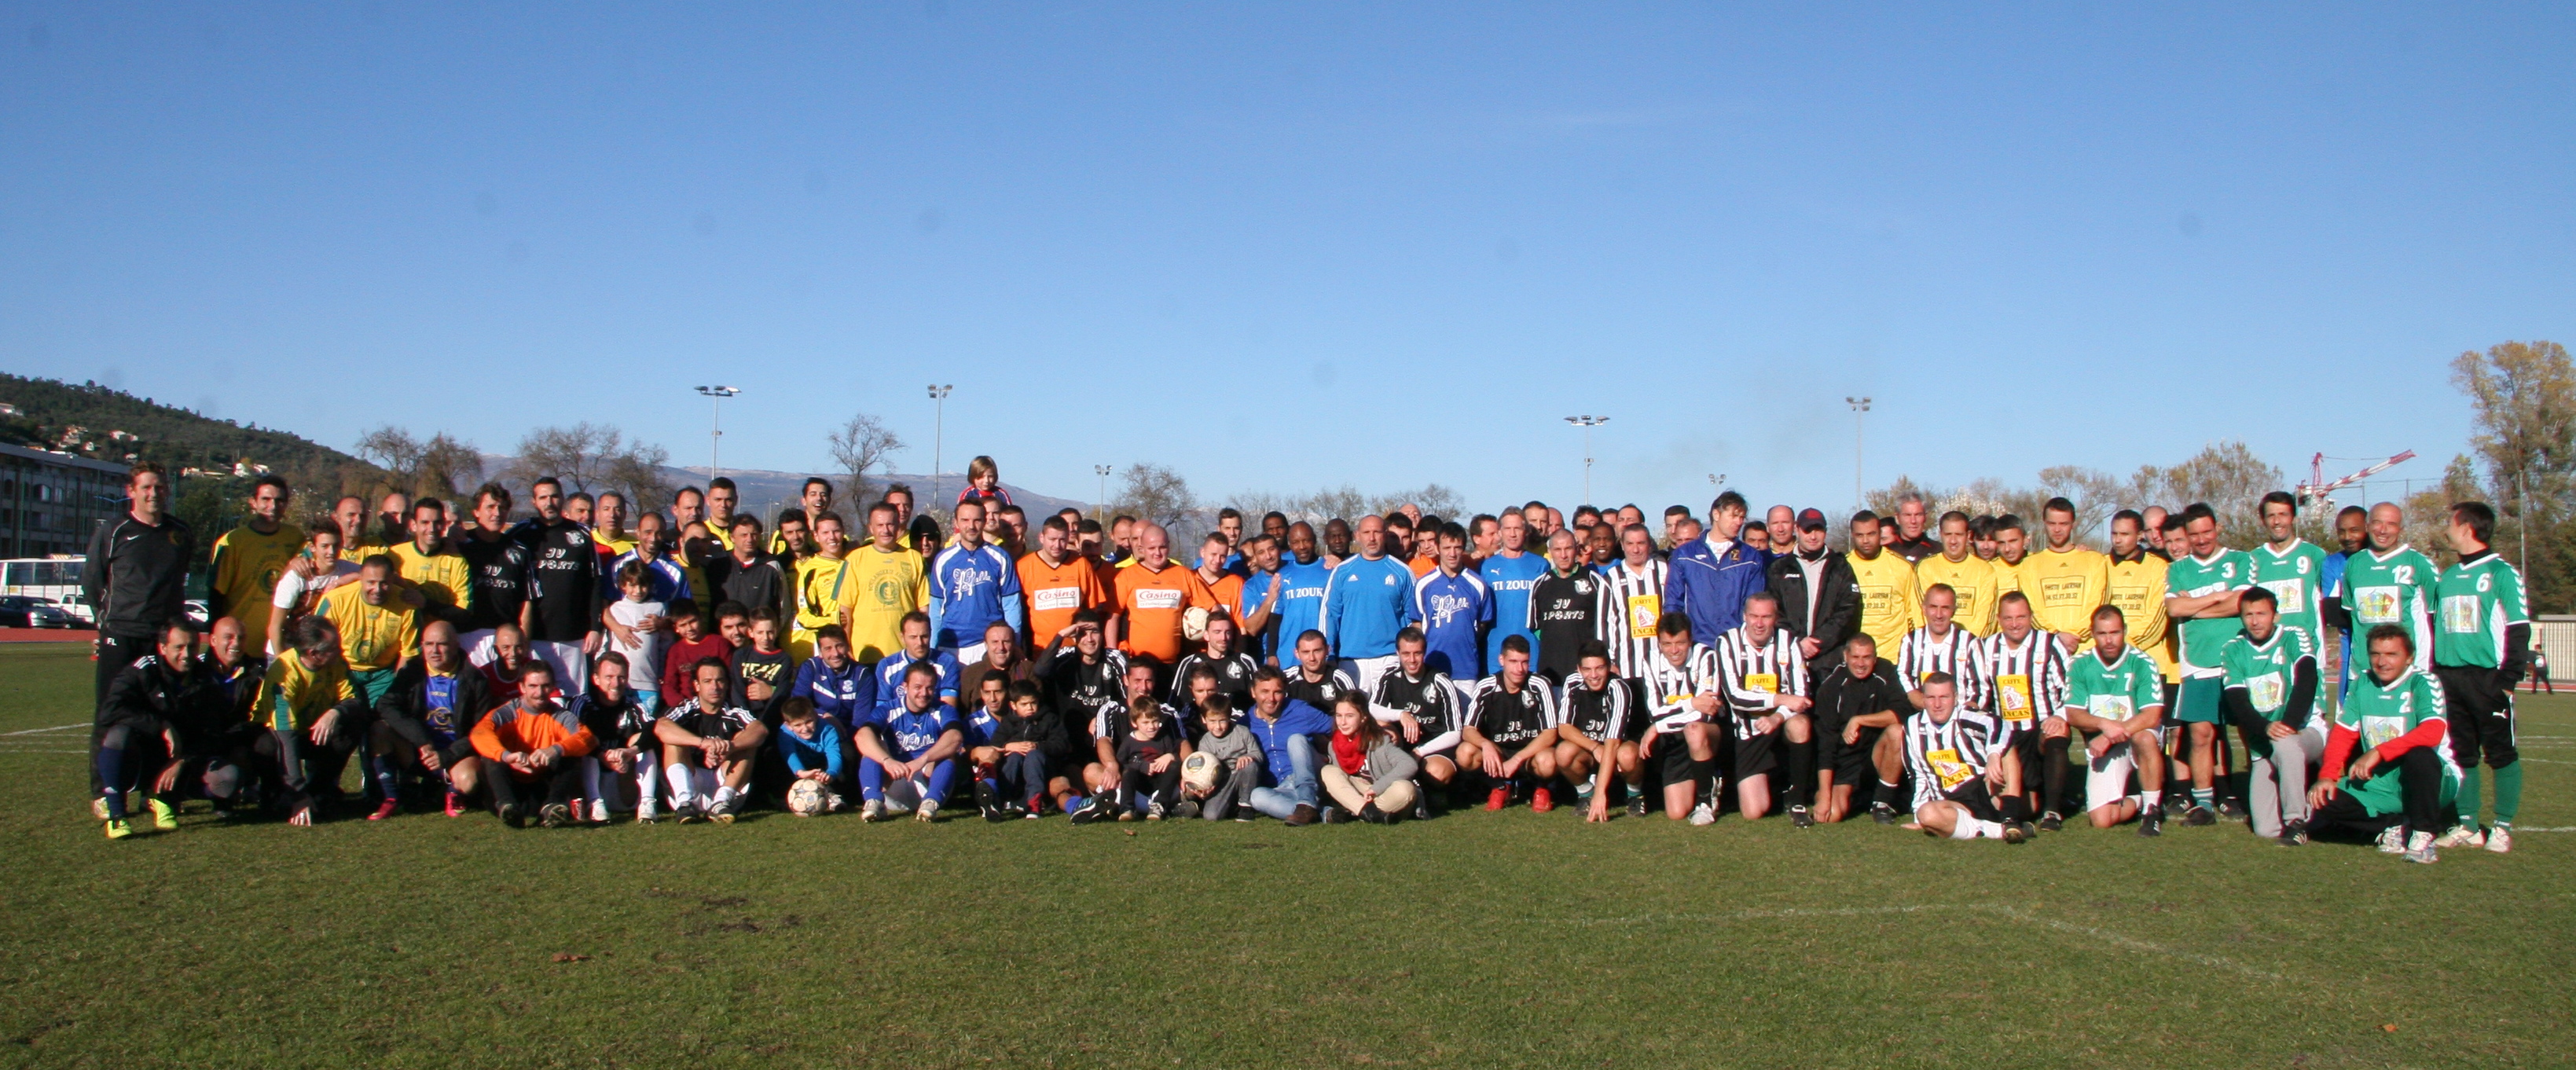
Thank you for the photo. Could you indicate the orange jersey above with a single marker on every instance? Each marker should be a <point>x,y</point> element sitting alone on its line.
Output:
<point>513,728</point>
<point>1228,592</point>
<point>1153,603</point>
<point>1056,592</point>
<point>1423,566</point>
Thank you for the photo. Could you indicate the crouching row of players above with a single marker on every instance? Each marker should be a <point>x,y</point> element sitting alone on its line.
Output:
<point>1745,705</point>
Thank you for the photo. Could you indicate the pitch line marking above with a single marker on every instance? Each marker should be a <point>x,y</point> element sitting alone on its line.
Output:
<point>35,731</point>
<point>2015,913</point>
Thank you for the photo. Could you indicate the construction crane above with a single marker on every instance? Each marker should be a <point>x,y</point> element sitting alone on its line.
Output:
<point>2319,493</point>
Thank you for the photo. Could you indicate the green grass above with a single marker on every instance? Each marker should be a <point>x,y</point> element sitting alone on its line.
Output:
<point>1475,940</point>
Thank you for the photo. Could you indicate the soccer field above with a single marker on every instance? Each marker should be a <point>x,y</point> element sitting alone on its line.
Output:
<point>1476,939</point>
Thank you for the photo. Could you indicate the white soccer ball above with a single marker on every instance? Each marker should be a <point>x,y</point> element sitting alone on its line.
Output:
<point>1194,623</point>
<point>1198,771</point>
<point>807,798</point>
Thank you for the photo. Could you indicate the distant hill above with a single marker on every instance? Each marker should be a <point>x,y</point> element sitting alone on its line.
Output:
<point>111,425</point>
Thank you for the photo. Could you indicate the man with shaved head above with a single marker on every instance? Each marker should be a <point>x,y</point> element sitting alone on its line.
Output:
<point>1368,600</point>
<point>2388,582</point>
<point>1151,598</point>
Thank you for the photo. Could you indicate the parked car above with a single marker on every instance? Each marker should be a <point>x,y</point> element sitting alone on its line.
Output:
<point>26,611</point>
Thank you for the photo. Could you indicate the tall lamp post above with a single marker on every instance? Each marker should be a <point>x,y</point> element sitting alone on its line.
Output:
<point>1587,423</point>
<point>1859,407</point>
<point>715,426</point>
<point>1101,470</point>
<point>938,435</point>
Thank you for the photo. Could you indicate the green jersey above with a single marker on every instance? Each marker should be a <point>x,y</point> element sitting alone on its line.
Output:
<point>2296,579</point>
<point>2192,577</point>
<point>2267,671</point>
<point>2382,712</point>
<point>2473,602</point>
<point>2117,690</point>
<point>2391,588</point>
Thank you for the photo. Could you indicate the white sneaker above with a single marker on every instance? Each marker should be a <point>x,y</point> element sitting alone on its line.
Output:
<point>872,810</point>
<point>832,803</point>
<point>2392,840</point>
<point>2500,840</point>
<point>929,809</point>
<point>1703,814</point>
<point>645,813</point>
<point>2460,836</point>
<point>599,811</point>
<point>2419,848</point>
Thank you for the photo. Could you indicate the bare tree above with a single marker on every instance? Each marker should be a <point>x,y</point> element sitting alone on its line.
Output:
<point>593,457</point>
<point>433,468</point>
<point>1155,493</point>
<point>2226,475</point>
<point>1432,498</point>
<point>859,445</point>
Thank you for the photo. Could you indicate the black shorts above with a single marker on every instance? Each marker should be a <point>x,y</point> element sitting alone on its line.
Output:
<point>1754,754</point>
<point>1975,799</point>
<point>1849,761</point>
<point>2480,710</point>
<point>1671,762</point>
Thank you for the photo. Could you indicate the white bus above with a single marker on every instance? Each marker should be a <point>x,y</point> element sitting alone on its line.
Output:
<point>54,578</point>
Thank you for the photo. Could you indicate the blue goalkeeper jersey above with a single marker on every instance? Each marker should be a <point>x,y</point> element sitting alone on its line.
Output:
<point>1365,604</point>
<point>1301,605</point>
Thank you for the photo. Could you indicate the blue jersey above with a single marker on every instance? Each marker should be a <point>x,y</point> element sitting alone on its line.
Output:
<point>1454,612</point>
<point>1507,583</point>
<point>977,727</point>
<point>1365,604</point>
<point>906,735</point>
<point>1301,605</point>
<point>848,692</point>
<point>889,679</point>
<point>970,590</point>
<point>664,582</point>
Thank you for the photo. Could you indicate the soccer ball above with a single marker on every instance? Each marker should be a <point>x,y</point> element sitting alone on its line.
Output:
<point>807,798</point>
<point>1194,623</point>
<point>1198,771</point>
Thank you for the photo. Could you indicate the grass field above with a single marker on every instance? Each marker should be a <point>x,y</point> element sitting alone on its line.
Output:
<point>1474,940</point>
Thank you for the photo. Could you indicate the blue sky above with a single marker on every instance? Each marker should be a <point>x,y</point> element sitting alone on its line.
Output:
<point>1286,246</point>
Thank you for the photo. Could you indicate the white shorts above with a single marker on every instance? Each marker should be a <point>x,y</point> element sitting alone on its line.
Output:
<point>571,666</point>
<point>968,655</point>
<point>1367,671</point>
<point>2106,779</point>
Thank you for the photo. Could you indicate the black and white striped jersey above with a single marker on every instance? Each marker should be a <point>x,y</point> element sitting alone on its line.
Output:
<point>1319,693</point>
<point>1946,755</point>
<point>2018,683</point>
<point>1566,612</point>
<point>1755,674</point>
<point>1600,715</point>
<point>1512,719</point>
<point>1432,700</point>
<point>1921,652</point>
<point>1670,688</point>
<point>1636,602</point>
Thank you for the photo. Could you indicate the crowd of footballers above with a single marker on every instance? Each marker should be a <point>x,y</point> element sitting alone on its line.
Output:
<point>585,659</point>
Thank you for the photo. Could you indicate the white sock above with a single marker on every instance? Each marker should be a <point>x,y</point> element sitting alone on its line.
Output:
<point>2149,800</point>
<point>647,784</point>
<point>681,796</point>
<point>724,794</point>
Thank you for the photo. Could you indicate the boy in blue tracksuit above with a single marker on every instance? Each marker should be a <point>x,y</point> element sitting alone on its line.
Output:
<point>841,690</point>
<point>1711,576</point>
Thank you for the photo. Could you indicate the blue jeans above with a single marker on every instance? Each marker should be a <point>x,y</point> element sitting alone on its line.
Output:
<point>1299,787</point>
<point>1022,776</point>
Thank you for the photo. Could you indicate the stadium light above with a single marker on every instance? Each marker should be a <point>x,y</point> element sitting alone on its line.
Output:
<point>715,427</point>
<point>1102,470</point>
<point>1859,406</point>
<point>1587,423</point>
<point>938,435</point>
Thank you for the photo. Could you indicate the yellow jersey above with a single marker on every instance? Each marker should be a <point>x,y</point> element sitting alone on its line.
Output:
<point>722,536</point>
<point>246,567</point>
<point>881,588</point>
<point>443,576</point>
<point>292,697</point>
<point>1974,579</point>
<point>818,592</point>
<point>2137,588</point>
<point>371,637</point>
<point>2065,587</point>
<point>1889,604</point>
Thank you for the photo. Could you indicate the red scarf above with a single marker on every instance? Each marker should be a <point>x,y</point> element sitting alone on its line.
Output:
<point>1348,753</point>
